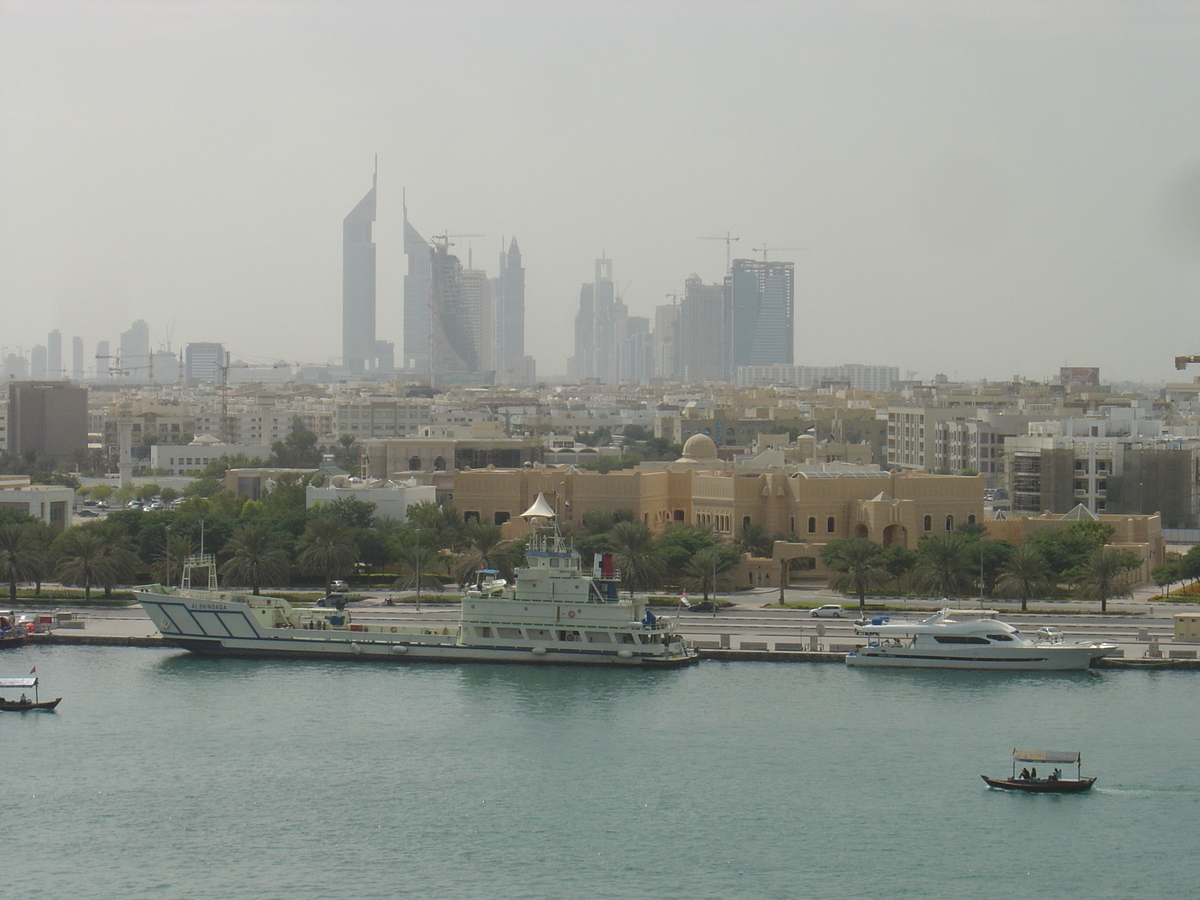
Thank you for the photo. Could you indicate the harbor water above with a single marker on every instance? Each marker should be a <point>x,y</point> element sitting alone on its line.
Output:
<point>172,776</point>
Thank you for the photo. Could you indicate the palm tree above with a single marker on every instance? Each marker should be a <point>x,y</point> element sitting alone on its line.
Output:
<point>19,556</point>
<point>945,567</point>
<point>632,546</point>
<point>755,541</point>
<point>327,547</point>
<point>485,550</point>
<point>1104,575</point>
<point>701,571</point>
<point>86,559</point>
<point>42,534</point>
<point>257,556</point>
<point>1026,573</point>
<point>122,560</point>
<point>859,566</point>
<point>168,562</point>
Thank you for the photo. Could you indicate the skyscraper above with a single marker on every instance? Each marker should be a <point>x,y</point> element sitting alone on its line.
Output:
<point>203,362</point>
<point>600,329</point>
<point>359,353</point>
<point>762,313</point>
<point>704,332</point>
<point>418,298</point>
<point>508,291</point>
<point>135,353</point>
<point>460,320</point>
<point>77,358</point>
<point>54,360</point>
<point>666,341</point>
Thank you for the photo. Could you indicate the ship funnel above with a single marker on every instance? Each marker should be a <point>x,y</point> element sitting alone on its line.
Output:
<point>540,509</point>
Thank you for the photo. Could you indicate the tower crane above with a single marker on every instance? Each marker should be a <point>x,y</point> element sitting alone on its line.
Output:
<point>226,425</point>
<point>445,239</point>
<point>728,238</point>
<point>764,250</point>
<point>1181,362</point>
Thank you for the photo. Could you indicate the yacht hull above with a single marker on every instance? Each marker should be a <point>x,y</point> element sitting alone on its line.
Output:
<point>1052,659</point>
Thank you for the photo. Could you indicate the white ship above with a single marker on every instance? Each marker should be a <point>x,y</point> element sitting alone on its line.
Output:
<point>964,640</point>
<point>554,613</point>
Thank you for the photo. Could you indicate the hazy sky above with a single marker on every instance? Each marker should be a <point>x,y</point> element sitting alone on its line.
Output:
<point>979,189</point>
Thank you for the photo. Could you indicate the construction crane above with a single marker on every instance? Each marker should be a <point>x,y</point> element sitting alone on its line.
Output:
<point>494,404</point>
<point>728,239</point>
<point>226,425</point>
<point>1181,362</point>
<point>445,239</point>
<point>765,250</point>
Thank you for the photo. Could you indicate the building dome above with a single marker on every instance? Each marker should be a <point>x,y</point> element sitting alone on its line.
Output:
<point>699,446</point>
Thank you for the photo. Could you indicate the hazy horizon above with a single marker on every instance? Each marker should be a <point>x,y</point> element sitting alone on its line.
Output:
<point>978,190</point>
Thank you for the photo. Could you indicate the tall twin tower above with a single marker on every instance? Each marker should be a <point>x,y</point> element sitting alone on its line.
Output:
<point>460,326</point>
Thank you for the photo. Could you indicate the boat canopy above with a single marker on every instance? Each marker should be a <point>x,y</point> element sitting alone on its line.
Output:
<point>18,682</point>
<point>540,509</point>
<point>1046,756</point>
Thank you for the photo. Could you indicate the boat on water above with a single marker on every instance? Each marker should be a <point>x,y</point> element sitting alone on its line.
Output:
<point>12,633</point>
<point>1029,782</point>
<point>962,639</point>
<point>555,612</point>
<point>24,704</point>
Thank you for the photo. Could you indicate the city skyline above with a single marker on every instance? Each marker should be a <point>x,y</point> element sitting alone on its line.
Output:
<point>955,211</point>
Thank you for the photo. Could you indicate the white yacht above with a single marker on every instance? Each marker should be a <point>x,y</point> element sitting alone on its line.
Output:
<point>960,639</point>
<point>555,612</point>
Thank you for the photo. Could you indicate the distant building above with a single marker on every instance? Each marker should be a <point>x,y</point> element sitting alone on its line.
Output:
<point>600,329</point>
<point>54,357</point>
<point>666,341</point>
<point>704,332</point>
<point>508,291</point>
<point>38,366</point>
<point>193,458</point>
<point>762,313</point>
<point>202,363</point>
<point>135,353</point>
<point>49,418</point>
<point>460,345</point>
<point>359,353</point>
<point>51,504</point>
<point>418,298</point>
<point>77,359</point>
<point>391,498</point>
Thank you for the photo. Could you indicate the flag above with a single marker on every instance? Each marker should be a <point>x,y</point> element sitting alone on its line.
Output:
<point>683,601</point>
<point>33,671</point>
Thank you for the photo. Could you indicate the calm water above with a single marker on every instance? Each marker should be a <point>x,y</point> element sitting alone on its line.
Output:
<point>166,775</point>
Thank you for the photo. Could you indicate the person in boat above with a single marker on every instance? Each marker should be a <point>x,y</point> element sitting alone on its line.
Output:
<point>1033,774</point>
<point>1025,774</point>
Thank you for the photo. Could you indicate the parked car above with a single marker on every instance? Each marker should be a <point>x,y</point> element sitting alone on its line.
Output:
<point>829,610</point>
<point>339,587</point>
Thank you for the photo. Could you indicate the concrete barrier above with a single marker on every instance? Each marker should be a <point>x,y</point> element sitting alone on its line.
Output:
<point>1182,654</point>
<point>762,645</point>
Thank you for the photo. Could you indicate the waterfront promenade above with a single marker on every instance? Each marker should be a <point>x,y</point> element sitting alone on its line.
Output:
<point>751,630</point>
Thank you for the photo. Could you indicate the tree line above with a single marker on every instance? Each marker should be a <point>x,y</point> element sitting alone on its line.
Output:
<point>1074,559</point>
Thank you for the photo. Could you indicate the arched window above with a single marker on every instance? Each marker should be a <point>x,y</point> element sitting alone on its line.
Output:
<point>745,521</point>
<point>928,523</point>
<point>949,523</point>
<point>971,519</point>
<point>812,524</point>
<point>439,465</point>
<point>792,528</point>
<point>414,464</point>
<point>830,525</point>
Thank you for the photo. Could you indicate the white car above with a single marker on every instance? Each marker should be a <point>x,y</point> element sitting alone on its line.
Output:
<point>339,587</point>
<point>829,610</point>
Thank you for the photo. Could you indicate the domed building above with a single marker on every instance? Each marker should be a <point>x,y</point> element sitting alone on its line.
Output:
<point>699,447</point>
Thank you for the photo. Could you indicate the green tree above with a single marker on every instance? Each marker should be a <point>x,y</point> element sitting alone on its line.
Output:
<point>755,541</point>
<point>858,565</point>
<point>945,566</point>
<point>1164,576</point>
<point>899,561</point>
<point>1189,566</point>
<point>680,543</point>
<point>326,548</point>
<point>1106,575</point>
<point>347,452</point>
<point>298,450</point>
<point>85,559</point>
<point>19,556</point>
<point>255,557</point>
<point>1025,574</point>
<point>703,570</point>
<point>1070,547</point>
<point>167,565</point>
<point>484,550</point>
<point>632,546</point>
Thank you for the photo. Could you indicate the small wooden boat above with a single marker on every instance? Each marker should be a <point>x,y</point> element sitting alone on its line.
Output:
<point>24,704</point>
<point>1029,782</point>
